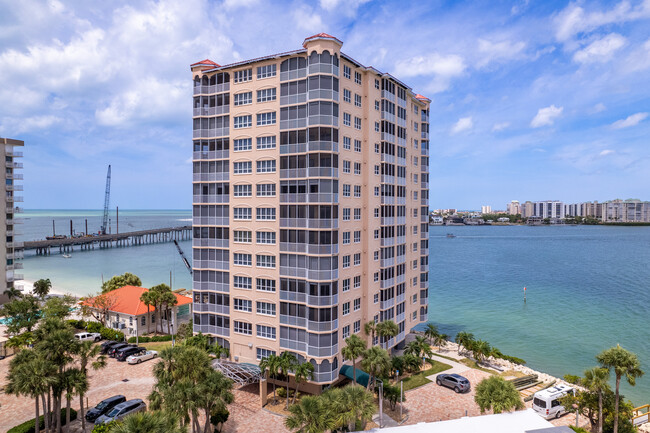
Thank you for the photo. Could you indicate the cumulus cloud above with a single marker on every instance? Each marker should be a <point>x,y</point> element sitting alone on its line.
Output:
<point>601,50</point>
<point>546,116</point>
<point>606,152</point>
<point>629,121</point>
<point>463,124</point>
<point>308,20</point>
<point>500,126</point>
<point>348,7</point>
<point>498,51</point>
<point>442,69</point>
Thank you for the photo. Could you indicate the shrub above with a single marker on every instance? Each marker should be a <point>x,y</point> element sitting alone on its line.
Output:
<point>94,327</point>
<point>578,429</point>
<point>29,426</point>
<point>104,428</point>
<point>111,334</point>
<point>513,359</point>
<point>155,339</point>
<point>219,417</point>
<point>77,324</point>
<point>282,393</point>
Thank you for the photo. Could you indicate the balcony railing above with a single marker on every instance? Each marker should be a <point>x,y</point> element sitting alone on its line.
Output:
<point>211,111</point>
<point>322,326</point>
<point>216,154</point>
<point>212,308</point>
<point>210,221</point>
<point>323,351</point>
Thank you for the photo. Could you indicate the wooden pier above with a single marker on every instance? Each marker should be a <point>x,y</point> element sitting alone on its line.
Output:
<point>142,237</point>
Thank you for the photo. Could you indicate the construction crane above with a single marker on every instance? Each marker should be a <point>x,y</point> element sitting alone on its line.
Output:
<point>107,199</point>
<point>180,251</point>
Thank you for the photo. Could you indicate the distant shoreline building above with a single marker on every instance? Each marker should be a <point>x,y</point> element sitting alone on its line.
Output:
<point>611,211</point>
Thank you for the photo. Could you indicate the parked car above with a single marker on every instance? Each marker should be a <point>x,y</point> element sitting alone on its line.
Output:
<point>143,355</point>
<point>547,404</point>
<point>125,352</point>
<point>108,345</point>
<point>113,350</point>
<point>122,410</point>
<point>104,407</point>
<point>88,336</point>
<point>454,381</point>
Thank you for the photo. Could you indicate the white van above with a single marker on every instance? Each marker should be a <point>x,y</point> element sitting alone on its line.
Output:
<point>546,402</point>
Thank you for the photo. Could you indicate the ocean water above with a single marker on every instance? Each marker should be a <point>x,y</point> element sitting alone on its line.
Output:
<point>588,288</point>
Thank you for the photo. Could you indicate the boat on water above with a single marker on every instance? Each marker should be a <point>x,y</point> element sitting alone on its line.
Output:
<point>451,235</point>
<point>66,256</point>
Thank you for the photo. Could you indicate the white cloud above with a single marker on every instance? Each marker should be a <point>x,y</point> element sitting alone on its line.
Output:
<point>307,20</point>
<point>348,7</point>
<point>442,68</point>
<point>606,152</point>
<point>463,124</point>
<point>494,51</point>
<point>631,120</point>
<point>500,126</point>
<point>598,108</point>
<point>11,126</point>
<point>546,116</point>
<point>600,50</point>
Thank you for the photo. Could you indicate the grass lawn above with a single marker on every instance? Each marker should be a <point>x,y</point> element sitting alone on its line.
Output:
<point>420,378</point>
<point>157,346</point>
<point>473,364</point>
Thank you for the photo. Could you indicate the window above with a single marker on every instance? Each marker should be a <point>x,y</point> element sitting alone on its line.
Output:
<point>265,214</point>
<point>357,304</point>
<point>346,261</point>
<point>264,353</point>
<point>242,305</point>
<point>265,285</point>
<point>346,308</point>
<point>346,166</point>
<point>357,168</point>
<point>357,326</point>
<point>357,259</point>
<point>267,142</point>
<point>242,213</point>
<point>243,167</point>
<point>376,276</point>
<point>346,71</point>
<point>357,236</point>
<point>242,328</point>
<point>376,147</point>
<point>346,190</point>
<point>376,83</point>
<point>243,282</point>
<point>357,281</point>
<point>415,179</point>
<point>346,238</point>
<point>346,331</point>
<point>415,315</point>
<point>267,71</point>
<point>243,121</point>
<point>346,119</point>
<point>243,190</point>
<point>266,166</point>
<point>242,144</point>
<point>346,285</point>
<point>243,98</point>
<point>415,144</point>
<point>415,195</point>
<point>242,76</point>
<point>376,212</point>
<point>415,264</point>
<point>376,255</point>
<point>415,246</point>
<point>357,214</point>
<point>266,95</point>
<point>357,146</point>
<point>377,234</point>
<point>375,299</point>
<point>265,190</point>
<point>376,126</point>
<point>241,236</point>
<point>346,143</point>
<point>357,100</point>
<point>415,299</point>
<point>376,191</point>
<point>377,169</point>
<point>357,191</point>
<point>242,259</point>
<point>264,119</point>
<point>357,123</point>
<point>377,105</point>
<point>415,126</point>
<point>346,95</point>
<point>267,308</point>
<point>346,214</point>
<point>357,77</point>
<point>266,331</point>
<point>265,261</point>
<point>265,238</point>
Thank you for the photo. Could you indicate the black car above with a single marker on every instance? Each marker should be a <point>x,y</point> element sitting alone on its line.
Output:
<point>125,352</point>
<point>104,407</point>
<point>113,350</point>
<point>107,345</point>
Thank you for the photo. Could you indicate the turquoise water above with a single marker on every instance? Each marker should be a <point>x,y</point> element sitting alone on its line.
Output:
<point>588,288</point>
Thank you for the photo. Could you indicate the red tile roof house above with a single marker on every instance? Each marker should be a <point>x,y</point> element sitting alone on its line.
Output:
<point>127,313</point>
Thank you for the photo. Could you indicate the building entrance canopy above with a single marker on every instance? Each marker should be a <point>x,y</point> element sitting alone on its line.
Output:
<point>240,373</point>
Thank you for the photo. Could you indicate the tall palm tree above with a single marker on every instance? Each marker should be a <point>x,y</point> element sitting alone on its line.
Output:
<point>359,406</point>
<point>271,364</point>
<point>624,363</point>
<point>463,339</point>
<point>302,373</point>
<point>309,415</point>
<point>42,287</point>
<point>354,348</point>
<point>370,329</point>
<point>150,422</point>
<point>148,299</point>
<point>387,330</point>
<point>481,350</point>
<point>12,293</point>
<point>440,340</point>
<point>596,380</point>
<point>168,301</point>
<point>214,391</point>
<point>288,362</point>
<point>431,332</point>
<point>87,353</point>
<point>376,362</point>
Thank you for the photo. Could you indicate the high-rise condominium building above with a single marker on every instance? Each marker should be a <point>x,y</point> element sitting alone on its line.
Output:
<point>310,204</point>
<point>8,228</point>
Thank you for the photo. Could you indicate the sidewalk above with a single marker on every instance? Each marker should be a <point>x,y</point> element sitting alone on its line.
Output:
<point>456,367</point>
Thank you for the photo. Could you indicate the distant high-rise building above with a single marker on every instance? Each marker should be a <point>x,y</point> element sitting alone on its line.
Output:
<point>513,208</point>
<point>13,251</point>
<point>548,209</point>
<point>631,210</point>
<point>311,194</point>
<point>486,209</point>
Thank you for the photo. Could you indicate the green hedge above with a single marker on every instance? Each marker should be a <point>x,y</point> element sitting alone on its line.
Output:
<point>153,339</point>
<point>30,426</point>
<point>106,333</point>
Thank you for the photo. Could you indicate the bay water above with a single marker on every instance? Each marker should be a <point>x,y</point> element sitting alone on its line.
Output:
<point>588,287</point>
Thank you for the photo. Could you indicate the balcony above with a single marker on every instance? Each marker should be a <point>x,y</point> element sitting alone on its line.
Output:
<point>13,198</point>
<point>385,115</point>
<point>206,242</point>
<point>298,346</point>
<point>323,68</point>
<point>387,158</point>
<point>14,187</point>
<point>211,198</point>
<point>210,133</point>
<point>17,244</point>
<point>400,298</point>
<point>293,75</point>
<point>322,301</point>
<point>322,326</point>
<point>15,176</point>
<point>16,265</point>
<point>293,320</point>
<point>324,119</point>
<point>385,136</point>
<point>293,296</point>
<point>388,221</point>
<point>387,95</point>
<point>211,286</point>
<point>14,164</point>
<point>399,318</point>
<point>387,242</point>
<point>10,151</point>
<point>210,221</point>
<point>322,351</point>
<point>211,264</point>
<point>309,198</point>
<point>216,88</point>
<point>387,179</point>
<point>385,263</point>
<point>309,223</point>
<point>325,377</point>
<point>211,111</point>
<point>384,305</point>
<point>211,308</point>
<point>212,330</point>
<point>330,95</point>
<point>293,123</point>
<point>211,177</point>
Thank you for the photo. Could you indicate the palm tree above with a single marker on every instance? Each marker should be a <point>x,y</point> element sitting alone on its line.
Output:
<point>168,300</point>
<point>596,380</point>
<point>623,363</point>
<point>309,415</point>
<point>376,362</point>
<point>354,348</point>
<point>148,299</point>
<point>387,330</point>
<point>359,406</point>
<point>12,293</point>
<point>497,394</point>
<point>74,381</point>
<point>271,364</point>
<point>431,332</point>
<point>370,329</point>
<point>149,422</point>
<point>463,339</point>
<point>302,373</point>
<point>481,350</point>
<point>440,340</point>
<point>214,392</point>
<point>287,363</point>
<point>86,352</point>
<point>42,288</point>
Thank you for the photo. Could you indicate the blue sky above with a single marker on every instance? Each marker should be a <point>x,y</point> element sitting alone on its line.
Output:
<point>531,100</point>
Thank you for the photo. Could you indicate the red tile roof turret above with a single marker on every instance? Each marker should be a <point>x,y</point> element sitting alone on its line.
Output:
<point>205,62</point>
<point>422,98</point>
<point>323,36</point>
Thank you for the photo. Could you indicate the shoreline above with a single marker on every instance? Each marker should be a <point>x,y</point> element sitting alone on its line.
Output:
<point>28,288</point>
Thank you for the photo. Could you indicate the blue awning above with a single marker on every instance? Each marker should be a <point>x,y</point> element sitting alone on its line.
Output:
<point>362,376</point>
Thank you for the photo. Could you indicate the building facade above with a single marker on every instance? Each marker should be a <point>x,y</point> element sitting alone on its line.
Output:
<point>310,204</point>
<point>486,209</point>
<point>513,208</point>
<point>12,183</point>
<point>625,211</point>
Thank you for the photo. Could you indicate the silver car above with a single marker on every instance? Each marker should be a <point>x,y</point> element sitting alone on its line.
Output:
<point>122,410</point>
<point>454,381</point>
